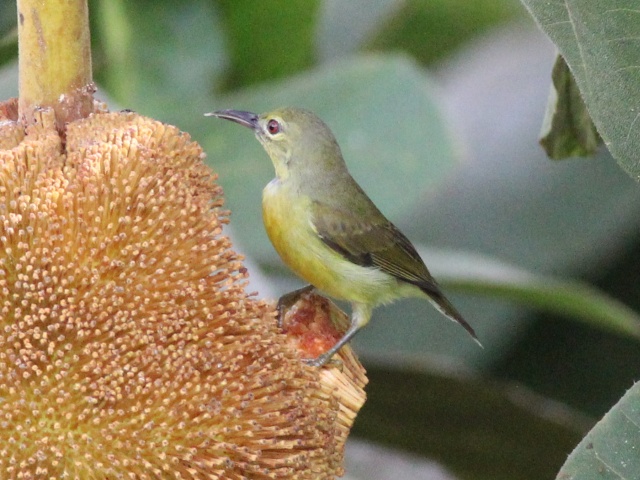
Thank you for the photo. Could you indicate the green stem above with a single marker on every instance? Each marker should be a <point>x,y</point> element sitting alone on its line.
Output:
<point>55,59</point>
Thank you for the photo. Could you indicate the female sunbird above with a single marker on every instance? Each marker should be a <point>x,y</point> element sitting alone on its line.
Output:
<point>326,229</point>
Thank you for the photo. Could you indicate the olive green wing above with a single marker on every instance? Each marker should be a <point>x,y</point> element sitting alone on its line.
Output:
<point>370,240</point>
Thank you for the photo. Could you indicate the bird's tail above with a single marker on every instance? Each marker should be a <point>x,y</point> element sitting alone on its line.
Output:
<point>444,306</point>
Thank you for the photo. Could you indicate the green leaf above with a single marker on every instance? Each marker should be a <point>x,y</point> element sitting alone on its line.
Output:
<point>267,40</point>
<point>431,29</point>
<point>148,62</point>
<point>8,46</point>
<point>599,39</point>
<point>610,449</point>
<point>343,26</point>
<point>383,112</point>
<point>476,428</point>
<point>8,32</point>
<point>567,130</point>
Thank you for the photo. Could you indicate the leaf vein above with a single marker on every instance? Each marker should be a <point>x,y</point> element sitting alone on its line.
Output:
<point>616,10</point>
<point>579,44</point>
<point>628,67</point>
<point>622,39</point>
<point>624,414</point>
<point>633,123</point>
<point>555,24</point>
<point>607,466</point>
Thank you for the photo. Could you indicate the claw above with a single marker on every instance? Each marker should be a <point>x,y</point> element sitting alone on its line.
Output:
<point>324,360</point>
<point>288,299</point>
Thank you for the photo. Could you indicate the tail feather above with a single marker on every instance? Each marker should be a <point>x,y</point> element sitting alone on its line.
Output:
<point>445,307</point>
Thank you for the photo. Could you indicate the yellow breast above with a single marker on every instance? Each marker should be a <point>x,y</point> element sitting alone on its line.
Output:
<point>287,221</point>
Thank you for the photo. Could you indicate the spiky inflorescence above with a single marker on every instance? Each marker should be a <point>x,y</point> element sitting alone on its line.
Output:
<point>128,348</point>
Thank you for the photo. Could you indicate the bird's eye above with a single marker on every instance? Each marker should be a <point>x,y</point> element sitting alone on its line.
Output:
<point>273,126</point>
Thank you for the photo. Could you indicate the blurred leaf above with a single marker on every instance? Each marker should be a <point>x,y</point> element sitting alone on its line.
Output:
<point>509,201</point>
<point>8,16</point>
<point>610,449</point>
<point>8,45</point>
<point>383,113</point>
<point>9,80</point>
<point>474,274</point>
<point>159,57</point>
<point>431,29</point>
<point>567,130</point>
<point>344,26</point>
<point>267,40</point>
<point>560,219</point>
<point>8,31</point>
<point>599,39</point>
<point>476,428</point>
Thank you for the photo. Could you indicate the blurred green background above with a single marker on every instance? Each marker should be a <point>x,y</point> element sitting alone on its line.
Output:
<point>437,105</point>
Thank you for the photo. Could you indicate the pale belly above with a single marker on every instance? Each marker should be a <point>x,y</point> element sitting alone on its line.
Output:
<point>290,230</point>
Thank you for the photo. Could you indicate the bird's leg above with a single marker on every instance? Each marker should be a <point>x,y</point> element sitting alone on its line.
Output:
<point>288,299</point>
<point>320,360</point>
<point>359,318</point>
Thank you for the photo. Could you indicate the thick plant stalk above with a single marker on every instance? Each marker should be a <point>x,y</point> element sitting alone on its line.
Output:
<point>54,59</point>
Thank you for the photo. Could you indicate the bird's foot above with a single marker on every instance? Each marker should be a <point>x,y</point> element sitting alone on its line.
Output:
<point>288,299</point>
<point>324,360</point>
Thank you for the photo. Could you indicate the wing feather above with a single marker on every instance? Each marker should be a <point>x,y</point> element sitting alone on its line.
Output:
<point>371,241</point>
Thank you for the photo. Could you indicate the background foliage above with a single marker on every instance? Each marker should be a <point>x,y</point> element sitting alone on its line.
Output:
<point>437,105</point>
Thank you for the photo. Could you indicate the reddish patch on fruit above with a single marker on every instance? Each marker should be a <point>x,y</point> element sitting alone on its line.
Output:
<point>308,323</point>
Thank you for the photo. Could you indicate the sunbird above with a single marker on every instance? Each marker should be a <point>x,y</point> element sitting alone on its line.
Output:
<point>327,230</point>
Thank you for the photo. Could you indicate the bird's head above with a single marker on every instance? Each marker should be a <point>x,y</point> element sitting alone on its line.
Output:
<point>299,143</point>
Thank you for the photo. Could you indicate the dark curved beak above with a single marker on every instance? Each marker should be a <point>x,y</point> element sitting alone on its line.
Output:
<point>247,119</point>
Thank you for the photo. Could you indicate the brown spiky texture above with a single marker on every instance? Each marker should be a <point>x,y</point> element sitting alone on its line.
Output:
<point>313,324</point>
<point>128,347</point>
